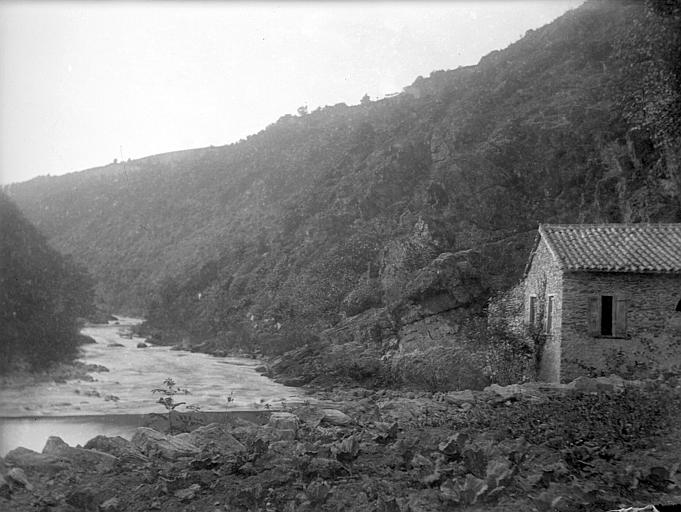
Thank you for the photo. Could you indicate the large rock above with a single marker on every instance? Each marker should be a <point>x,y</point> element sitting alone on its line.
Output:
<point>116,446</point>
<point>18,477</point>
<point>187,494</point>
<point>336,418</point>
<point>283,421</point>
<point>460,397</point>
<point>30,460</point>
<point>310,415</point>
<point>80,457</point>
<point>213,437</point>
<point>155,444</point>
<point>110,505</point>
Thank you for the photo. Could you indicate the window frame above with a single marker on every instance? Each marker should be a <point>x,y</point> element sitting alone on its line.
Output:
<point>532,310</point>
<point>550,313</point>
<point>619,315</point>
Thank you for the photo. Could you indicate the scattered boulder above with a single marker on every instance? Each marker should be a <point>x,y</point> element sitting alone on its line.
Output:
<point>283,434</point>
<point>283,421</point>
<point>311,416</point>
<point>81,457</point>
<point>111,505</point>
<point>115,345</point>
<point>18,477</point>
<point>116,446</point>
<point>85,340</point>
<point>293,381</point>
<point>510,392</point>
<point>95,368</point>
<point>454,445</point>
<point>153,443</point>
<point>187,494</point>
<point>460,397</point>
<point>385,432</point>
<point>141,344</point>
<point>28,459</point>
<point>215,436</point>
<point>336,418</point>
<point>405,410</point>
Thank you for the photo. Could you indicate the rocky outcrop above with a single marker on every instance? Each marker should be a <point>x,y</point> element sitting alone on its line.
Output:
<point>447,282</point>
<point>366,295</point>
<point>155,444</point>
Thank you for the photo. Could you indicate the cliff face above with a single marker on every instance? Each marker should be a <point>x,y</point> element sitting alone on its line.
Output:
<point>349,210</point>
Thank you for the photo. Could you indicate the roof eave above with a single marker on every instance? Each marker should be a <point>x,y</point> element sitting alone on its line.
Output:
<point>549,245</point>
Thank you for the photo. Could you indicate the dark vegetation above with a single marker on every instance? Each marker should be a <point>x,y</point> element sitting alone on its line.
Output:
<point>42,296</point>
<point>335,213</point>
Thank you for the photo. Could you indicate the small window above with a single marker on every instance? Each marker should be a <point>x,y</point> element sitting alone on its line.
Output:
<point>678,306</point>
<point>606,315</point>
<point>549,314</point>
<point>533,310</point>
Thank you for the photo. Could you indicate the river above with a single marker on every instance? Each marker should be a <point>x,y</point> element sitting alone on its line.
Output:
<point>113,402</point>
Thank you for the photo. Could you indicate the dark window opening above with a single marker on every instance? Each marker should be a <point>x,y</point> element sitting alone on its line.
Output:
<point>549,315</point>
<point>606,315</point>
<point>678,306</point>
<point>533,310</point>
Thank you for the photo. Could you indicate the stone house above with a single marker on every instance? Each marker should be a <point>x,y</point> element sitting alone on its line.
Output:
<point>603,294</point>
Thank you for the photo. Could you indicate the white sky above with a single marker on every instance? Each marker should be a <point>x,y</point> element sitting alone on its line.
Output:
<point>79,81</point>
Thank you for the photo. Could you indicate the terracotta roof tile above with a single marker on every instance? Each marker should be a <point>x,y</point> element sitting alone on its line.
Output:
<point>615,247</point>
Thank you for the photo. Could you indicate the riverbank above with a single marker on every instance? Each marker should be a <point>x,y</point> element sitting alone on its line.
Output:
<point>596,445</point>
<point>58,373</point>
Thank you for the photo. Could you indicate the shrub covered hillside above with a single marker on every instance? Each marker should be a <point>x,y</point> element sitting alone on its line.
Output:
<point>42,294</point>
<point>350,209</point>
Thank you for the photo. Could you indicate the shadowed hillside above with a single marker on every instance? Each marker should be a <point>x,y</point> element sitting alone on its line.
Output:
<point>345,210</point>
<point>42,295</point>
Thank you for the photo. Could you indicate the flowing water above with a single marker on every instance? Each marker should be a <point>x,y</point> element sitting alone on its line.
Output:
<point>112,402</point>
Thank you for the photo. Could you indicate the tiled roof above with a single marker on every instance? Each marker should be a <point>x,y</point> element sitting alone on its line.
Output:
<point>615,247</point>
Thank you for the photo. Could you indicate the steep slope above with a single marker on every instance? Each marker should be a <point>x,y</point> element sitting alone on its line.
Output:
<point>335,212</point>
<point>42,294</point>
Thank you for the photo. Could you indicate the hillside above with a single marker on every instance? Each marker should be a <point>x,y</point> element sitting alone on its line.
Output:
<point>352,210</point>
<point>42,295</point>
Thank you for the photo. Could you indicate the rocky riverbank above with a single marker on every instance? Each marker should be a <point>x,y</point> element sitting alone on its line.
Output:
<point>590,445</point>
<point>58,373</point>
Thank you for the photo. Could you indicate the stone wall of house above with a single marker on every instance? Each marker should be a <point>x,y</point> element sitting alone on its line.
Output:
<point>653,327</point>
<point>544,279</point>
